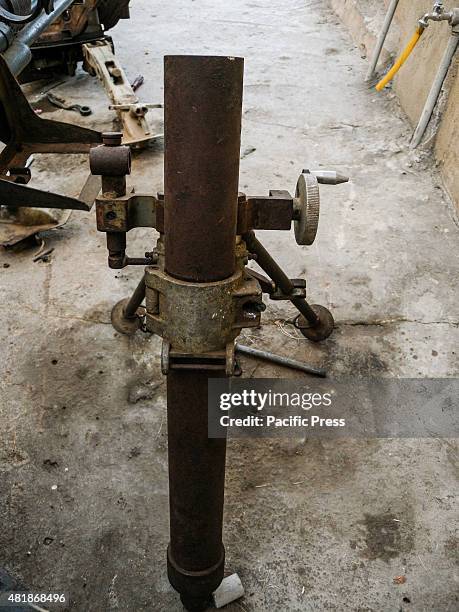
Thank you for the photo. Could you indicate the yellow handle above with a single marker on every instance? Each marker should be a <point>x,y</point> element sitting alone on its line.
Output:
<point>402,59</point>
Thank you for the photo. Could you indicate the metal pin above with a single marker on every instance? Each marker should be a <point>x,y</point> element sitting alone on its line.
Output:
<point>328,177</point>
<point>284,361</point>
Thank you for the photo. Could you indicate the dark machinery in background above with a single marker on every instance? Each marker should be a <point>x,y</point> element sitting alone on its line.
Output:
<point>24,133</point>
<point>46,36</point>
<point>42,38</point>
<point>74,33</point>
<point>39,39</point>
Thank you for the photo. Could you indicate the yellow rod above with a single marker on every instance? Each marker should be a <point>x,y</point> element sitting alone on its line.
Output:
<point>402,59</point>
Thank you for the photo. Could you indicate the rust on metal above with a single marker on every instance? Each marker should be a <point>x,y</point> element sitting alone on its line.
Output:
<point>203,107</point>
<point>268,213</point>
<point>24,133</point>
<point>71,24</point>
<point>100,60</point>
<point>107,160</point>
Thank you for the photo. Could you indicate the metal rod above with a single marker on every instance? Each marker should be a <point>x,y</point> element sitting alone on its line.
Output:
<point>135,300</point>
<point>203,108</point>
<point>435,89</point>
<point>19,54</point>
<point>381,39</point>
<point>283,361</point>
<point>275,272</point>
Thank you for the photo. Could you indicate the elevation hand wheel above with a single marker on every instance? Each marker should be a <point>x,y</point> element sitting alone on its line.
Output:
<point>306,209</point>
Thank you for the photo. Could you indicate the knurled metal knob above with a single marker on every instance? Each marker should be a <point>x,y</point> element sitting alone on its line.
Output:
<point>306,209</point>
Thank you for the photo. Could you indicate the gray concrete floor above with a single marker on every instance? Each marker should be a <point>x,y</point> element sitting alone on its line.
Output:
<point>309,525</point>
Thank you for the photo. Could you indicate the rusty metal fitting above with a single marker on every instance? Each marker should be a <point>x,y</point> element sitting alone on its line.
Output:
<point>125,212</point>
<point>223,361</point>
<point>201,317</point>
<point>112,139</point>
<point>197,585</point>
<point>116,245</point>
<point>110,159</point>
<point>242,254</point>
<point>274,212</point>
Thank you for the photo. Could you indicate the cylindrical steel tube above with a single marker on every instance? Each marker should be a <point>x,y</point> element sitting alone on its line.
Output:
<point>196,486</point>
<point>432,98</point>
<point>203,107</point>
<point>381,38</point>
<point>202,134</point>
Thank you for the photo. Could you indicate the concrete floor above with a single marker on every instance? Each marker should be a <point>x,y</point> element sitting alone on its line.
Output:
<point>309,525</point>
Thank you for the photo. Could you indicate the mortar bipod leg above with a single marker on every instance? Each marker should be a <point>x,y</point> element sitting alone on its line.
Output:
<point>315,322</point>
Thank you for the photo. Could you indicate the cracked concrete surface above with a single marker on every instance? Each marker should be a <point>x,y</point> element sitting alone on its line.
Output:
<point>309,524</point>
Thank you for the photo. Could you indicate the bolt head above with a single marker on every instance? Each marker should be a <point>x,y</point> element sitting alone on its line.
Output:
<point>112,139</point>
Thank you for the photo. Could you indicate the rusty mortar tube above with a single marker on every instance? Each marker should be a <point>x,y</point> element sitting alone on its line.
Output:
<point>203,108</point>
<point>203,126</point>
<point>276,274</point>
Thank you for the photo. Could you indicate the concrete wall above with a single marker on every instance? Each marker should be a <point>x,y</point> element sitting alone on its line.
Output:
<point>412,85</point>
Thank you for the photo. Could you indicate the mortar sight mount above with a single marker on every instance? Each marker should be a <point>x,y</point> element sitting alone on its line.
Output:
<point>119,212</point>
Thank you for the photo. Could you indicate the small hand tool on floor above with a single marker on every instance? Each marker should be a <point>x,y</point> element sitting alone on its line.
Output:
<point>84,111</point>
<point>137,82</point>
<point>280,360</point>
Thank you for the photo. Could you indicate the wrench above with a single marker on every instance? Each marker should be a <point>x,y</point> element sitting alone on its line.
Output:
<point>60,103</point>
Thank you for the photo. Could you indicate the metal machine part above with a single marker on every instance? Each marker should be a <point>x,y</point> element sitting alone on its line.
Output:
<point>20,12</point>
<point>294,364</point>
<point>72,32</point>
<point>31,211</point>
<point>128,316</point>
<point>100,60</point>
<point>24,133</point>
<point>307,209</point>
<point>18,53</point>
<point>199,291</point>
<point>52,37</point>
<point>198,317</point>
<point>84,111</point>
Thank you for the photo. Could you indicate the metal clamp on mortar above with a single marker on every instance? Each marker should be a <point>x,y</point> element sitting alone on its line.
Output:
<point>200,321</point>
